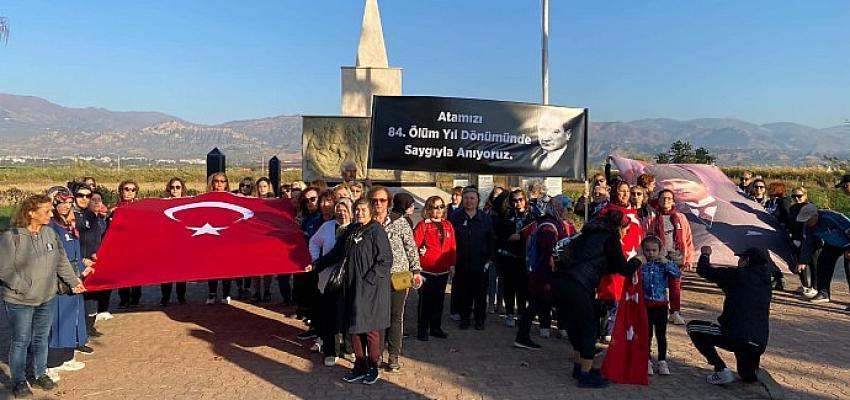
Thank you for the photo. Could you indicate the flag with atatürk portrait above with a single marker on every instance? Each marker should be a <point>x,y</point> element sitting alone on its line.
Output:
<point>720,215</point>
<point>211,236</point>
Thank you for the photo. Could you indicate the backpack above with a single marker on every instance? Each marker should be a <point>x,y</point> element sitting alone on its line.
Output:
<point>532,256</point>
<point>564,251</point>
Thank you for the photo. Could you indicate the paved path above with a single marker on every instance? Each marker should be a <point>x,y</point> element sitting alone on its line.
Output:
<point>241,351</point>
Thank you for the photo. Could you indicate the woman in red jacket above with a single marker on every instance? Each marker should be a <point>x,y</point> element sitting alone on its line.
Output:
<point>673,229</point>
<point>435,239</point>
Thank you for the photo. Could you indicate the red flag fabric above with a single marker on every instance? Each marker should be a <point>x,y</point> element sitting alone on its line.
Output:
<point>628,354</point>
<point>210,236</point>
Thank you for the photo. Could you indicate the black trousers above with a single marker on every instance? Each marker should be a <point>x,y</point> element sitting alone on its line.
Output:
<point>396,330</point>
<point>430,308</point>
<point>305,288</point>
<point>102,297</point>
<point>284,282</point>
<point>581,322</point>
<point>472,293</point>
<point>707,337</point>
<point>826,267</point>
<point>225,287</point>
<point>516,284</point>
<point>537,307</point>
<point>130,295</point>
<point>165,289</point>
<point>657,317</point>
<point>809,276</point>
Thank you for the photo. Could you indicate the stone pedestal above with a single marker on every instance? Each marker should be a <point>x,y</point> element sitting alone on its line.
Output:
<point>359,84</point>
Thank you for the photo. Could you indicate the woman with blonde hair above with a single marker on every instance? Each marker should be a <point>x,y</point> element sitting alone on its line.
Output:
<point>435,238</point>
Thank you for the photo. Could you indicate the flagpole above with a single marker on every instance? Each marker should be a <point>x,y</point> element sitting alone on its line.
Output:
<point>545,52</point>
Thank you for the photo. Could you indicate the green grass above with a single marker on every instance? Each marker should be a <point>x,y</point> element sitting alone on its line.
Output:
<point>5,215</point>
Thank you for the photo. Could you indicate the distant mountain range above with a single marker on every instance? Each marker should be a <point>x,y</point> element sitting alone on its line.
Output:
<point>34,126</point>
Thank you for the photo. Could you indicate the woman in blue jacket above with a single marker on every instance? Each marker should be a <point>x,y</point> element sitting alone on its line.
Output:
<point>68,331</point>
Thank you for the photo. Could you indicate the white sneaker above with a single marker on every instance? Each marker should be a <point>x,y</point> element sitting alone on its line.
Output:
<point>210,300</point>
<point>663,368</point>
<point>649,370</point>
<point>544,333</point>
<point>53,373</point>
<point>104,316</point>
<point>226,300</point>
<point>330,361</point>
<point>72,365</point>
<point>721,377</point>
<point>809,293</point>
<point>510,321</point>
<point>676,318</point>
<point>455,317</point>
<point>562,334</point>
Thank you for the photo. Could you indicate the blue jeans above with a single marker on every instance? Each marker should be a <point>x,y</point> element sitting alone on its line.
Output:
<point>30,326</point>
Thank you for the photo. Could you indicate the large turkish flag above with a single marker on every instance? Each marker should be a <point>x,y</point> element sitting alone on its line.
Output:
<point>210,236</point>
<point>628,354</point>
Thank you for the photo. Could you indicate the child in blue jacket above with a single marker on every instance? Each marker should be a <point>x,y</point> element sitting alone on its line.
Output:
<point>655,273</point>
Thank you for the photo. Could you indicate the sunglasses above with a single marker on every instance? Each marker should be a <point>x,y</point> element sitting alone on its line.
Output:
<point>129,189</point>
<point>440,207</point>
<point>379,200</point>
<point>243,185</point>
<point>797,196</point>
<point>759,187</point>
<point>176,187</point>
<point>637,194</point>
<point>81,195</point>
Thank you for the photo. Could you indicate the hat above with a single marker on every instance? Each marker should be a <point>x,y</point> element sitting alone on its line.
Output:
<point>77,186</point>
<point>844,179</point>
<point>59,194</point>
<point>755,255</point>
<point>807,212</point>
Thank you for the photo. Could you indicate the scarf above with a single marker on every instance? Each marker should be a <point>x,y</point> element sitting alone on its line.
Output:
<point>657,228</point>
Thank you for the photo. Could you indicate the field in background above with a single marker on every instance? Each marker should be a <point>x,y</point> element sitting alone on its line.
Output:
<point>18,182</point>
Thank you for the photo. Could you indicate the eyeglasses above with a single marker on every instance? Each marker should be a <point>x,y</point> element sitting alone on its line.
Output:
<point>379,200</point>
<point>81,195</point>
<point>129,189</point>
<point>175,187</point>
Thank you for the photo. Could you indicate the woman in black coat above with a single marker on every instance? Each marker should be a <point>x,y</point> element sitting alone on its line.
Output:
<point>368,258</point>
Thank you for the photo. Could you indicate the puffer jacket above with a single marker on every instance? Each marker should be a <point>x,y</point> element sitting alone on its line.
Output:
<point>596,252</point>
<point>746,308</point>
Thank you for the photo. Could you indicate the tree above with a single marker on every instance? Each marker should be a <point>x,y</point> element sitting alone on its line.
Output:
<point>4,30</point>
<point>682,152</point>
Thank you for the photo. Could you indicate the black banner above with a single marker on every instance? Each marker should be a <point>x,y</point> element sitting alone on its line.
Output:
<point>446,134</point>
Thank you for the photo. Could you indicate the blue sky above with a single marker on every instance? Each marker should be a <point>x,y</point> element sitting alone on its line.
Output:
<point>215,61</point>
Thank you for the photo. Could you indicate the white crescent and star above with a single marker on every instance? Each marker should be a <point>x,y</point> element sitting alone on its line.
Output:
<point>208,229</point>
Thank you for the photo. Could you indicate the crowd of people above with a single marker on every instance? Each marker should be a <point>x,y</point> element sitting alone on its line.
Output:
<point>516,252</point>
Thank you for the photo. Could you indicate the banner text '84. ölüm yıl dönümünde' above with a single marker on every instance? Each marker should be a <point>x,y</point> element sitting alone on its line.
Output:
<point>478,136</point>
